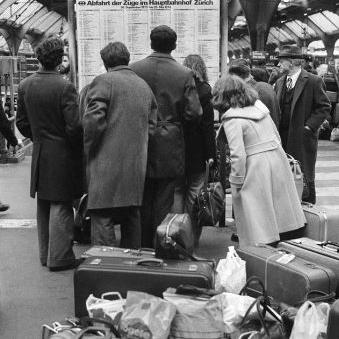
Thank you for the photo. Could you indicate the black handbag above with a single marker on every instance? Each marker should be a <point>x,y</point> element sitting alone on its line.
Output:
<point>175,237</point>
<point>210,203</point>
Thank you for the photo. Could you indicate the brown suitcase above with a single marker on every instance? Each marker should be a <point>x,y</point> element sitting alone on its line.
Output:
<point>321,253</point>
<point>289,283</point>
<point>322,224</point>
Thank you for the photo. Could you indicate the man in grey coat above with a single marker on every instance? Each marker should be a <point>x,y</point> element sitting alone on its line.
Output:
<point>120,113</point>
<point>178,103</point>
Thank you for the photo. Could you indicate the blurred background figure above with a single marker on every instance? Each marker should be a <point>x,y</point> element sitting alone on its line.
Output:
<point>64,67</point>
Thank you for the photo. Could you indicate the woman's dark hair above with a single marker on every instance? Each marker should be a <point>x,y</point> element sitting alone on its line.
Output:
<point>196,63</point>
<point>115,54</point>
<point>231,91</point>
<point>163,39</point>
<point>50,52</point>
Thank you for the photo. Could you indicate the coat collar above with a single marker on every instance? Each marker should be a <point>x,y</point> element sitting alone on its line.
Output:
<point>298,88</point>
<point>161,55</point>
<point>118,68</point>
<point>256,112</point>
<point>42,71</point>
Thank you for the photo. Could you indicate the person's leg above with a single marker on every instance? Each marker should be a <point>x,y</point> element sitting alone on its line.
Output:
<point>163,200</point>
<point>102,227</point>
<point>195,183</point>
<point>61,225</point>
<point>130,227</point>
<point>179,196</point>
<point>42,217</point>
<point>146,211</point>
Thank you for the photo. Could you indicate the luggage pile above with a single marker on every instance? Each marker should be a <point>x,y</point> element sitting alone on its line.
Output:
<point>255,292</point>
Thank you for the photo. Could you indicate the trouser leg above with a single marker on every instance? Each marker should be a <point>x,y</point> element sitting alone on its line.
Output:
<point>179,196</point>
<point>130,227</point>
<point>157,203</point>
<point>147,214</point>
<point>43,207</point>
<point>61,226</point>
<point>195,183</point>
<point>102,227</point>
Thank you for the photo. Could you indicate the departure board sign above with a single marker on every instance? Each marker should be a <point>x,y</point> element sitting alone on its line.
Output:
<point>196,23</point>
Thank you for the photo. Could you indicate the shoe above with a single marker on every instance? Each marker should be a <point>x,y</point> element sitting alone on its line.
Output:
<point>3,207</point>
<point>235,237</point>
<point>75,264</point>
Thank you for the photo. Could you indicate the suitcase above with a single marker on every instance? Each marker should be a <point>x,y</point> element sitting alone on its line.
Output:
<point>98,275</point>
<point>322,224</point>
<point>321,253</point>
<point>108,251</point>
<point>289,282</point>
<point>333,321</point>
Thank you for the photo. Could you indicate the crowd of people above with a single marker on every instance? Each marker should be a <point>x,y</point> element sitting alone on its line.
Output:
<point>138,137</point>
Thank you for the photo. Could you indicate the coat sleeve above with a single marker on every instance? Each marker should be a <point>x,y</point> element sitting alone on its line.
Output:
<point>152,119</point>
<point>234,134</point>
<point>5,128</point>
<point>321,106</point>
<point>207,123</point>
<point>70,111</point>
<point>22,121</point>
<point>94,119</point>
<point>192,108</point>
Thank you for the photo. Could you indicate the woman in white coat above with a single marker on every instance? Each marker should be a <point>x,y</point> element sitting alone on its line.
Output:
<point>265,198</point>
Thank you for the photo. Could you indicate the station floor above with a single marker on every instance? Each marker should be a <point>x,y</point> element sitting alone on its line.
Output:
<point>30,295</point>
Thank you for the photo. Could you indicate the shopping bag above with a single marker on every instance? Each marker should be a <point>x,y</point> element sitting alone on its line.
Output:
<point>311,321</point>
<point>210,202</point>
<point>297,174</point>
<point>105,308</point>
<point>335,134</point>
<point>231,273</point>
<point>196,317</point>
<point>146,316</point>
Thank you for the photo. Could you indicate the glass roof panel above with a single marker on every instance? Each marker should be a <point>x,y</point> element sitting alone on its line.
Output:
<point>297,29</point>
<point>333,17</point>
<point>323,23</point>
<point>309,31</point>
<point>276,34</point>
<point>28,11</point>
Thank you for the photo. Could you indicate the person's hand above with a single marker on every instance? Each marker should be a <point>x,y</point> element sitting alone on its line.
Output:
<point>210,162</point>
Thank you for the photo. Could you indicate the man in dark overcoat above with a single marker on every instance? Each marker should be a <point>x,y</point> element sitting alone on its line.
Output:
<point>48,114</point>
<point>120,113</point>
<point>178,102</point>
<point>304,106</point>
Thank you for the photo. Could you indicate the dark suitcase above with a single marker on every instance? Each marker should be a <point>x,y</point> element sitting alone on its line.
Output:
<point>150,275</point>
<point>322,224</point>
<point>321,253</point>
<point>333,321</point>
<point>289,283</point>
<point>109,251</point>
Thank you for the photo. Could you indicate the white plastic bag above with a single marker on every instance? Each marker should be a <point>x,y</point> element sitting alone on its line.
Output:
<point>234,308</point>
<point>105,308</point>
<point>311,321</point>
<point>231,273</point>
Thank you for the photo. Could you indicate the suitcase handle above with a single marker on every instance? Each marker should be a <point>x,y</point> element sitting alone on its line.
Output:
<point>88,321</point>
<point>94,330</point>
<point>323,296</point>
<point>116,294</point>
<point>333,246</point>
<point>150,262</point>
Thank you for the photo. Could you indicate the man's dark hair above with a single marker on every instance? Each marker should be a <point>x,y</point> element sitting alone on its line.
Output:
<point>115,54</point>
<point>163,39</point>
<point>240,67</point>
<point>49,52</point>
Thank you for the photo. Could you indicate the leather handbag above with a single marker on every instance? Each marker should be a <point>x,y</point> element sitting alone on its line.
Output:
<point>297,174</point>
<point>210,203</point>
<point>175,237</point>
